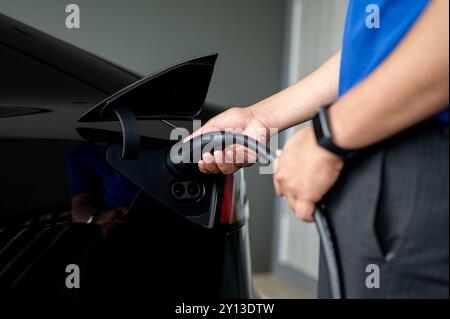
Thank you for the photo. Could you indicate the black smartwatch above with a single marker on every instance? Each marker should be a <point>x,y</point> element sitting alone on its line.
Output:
<point>324,134</point>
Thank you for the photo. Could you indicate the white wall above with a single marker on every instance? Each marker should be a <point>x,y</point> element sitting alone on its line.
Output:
<point>314,34</point>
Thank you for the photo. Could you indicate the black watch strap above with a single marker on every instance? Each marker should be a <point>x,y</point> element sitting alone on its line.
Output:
<point>324,134</point>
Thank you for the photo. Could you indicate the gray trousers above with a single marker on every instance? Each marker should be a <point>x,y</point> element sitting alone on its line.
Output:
<point>390,208</point>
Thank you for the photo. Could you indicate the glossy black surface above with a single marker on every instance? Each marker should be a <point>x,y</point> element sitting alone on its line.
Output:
<point>156,249</point>
<point>177,92</point>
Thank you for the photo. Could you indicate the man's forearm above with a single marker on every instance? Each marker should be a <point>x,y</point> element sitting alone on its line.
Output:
<point>299,102</point>
<point>409,87</point>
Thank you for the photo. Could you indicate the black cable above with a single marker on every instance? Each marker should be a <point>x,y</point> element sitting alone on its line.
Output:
<point>219,141</point>
<point>329,252</point>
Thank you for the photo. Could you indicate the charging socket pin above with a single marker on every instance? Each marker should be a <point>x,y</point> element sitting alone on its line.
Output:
<point>187,190</point>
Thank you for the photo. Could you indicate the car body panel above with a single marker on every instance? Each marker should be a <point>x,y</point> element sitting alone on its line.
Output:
<point>46,86</point>
<point>176,92</point>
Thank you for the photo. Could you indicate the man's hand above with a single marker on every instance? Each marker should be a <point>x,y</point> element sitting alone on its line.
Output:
<point>238,120</point>
<point>305,172</point>
<point>109,221</point>
<point>287,108</point>
<point>116,215</point>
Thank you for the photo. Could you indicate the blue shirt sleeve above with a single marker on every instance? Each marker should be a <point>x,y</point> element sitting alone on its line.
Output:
<point>365,47</point>
<point>81,170</point>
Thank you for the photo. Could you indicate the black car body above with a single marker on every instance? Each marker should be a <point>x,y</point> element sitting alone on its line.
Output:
<point>174,248</point>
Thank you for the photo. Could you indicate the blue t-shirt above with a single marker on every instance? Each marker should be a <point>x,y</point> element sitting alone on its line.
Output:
<point>89,172</point>
<point>373,29</point>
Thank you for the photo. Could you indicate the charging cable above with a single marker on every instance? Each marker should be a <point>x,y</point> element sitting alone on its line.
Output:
<point>219,141</point>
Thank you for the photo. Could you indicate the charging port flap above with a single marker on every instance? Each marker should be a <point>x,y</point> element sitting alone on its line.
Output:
<point>195,198</point>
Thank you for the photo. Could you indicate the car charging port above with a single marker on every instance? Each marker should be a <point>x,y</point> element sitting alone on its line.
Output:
<point>187,190</point>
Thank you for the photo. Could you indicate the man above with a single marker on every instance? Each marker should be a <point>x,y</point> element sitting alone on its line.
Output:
<point>389,89</point>
<point>99,193</point>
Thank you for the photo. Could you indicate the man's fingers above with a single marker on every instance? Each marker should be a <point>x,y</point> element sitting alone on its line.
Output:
<point>202,167</point>
<point>221,161</point>
<point>292,200</point>
<point>275,167</point>
<point>210,164</point>
<point>278,181</point>
<point>277,185</point>
<point>224,166</point>
<point>304,210</point>
<point>243,156</point>
<point>226,161</point>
